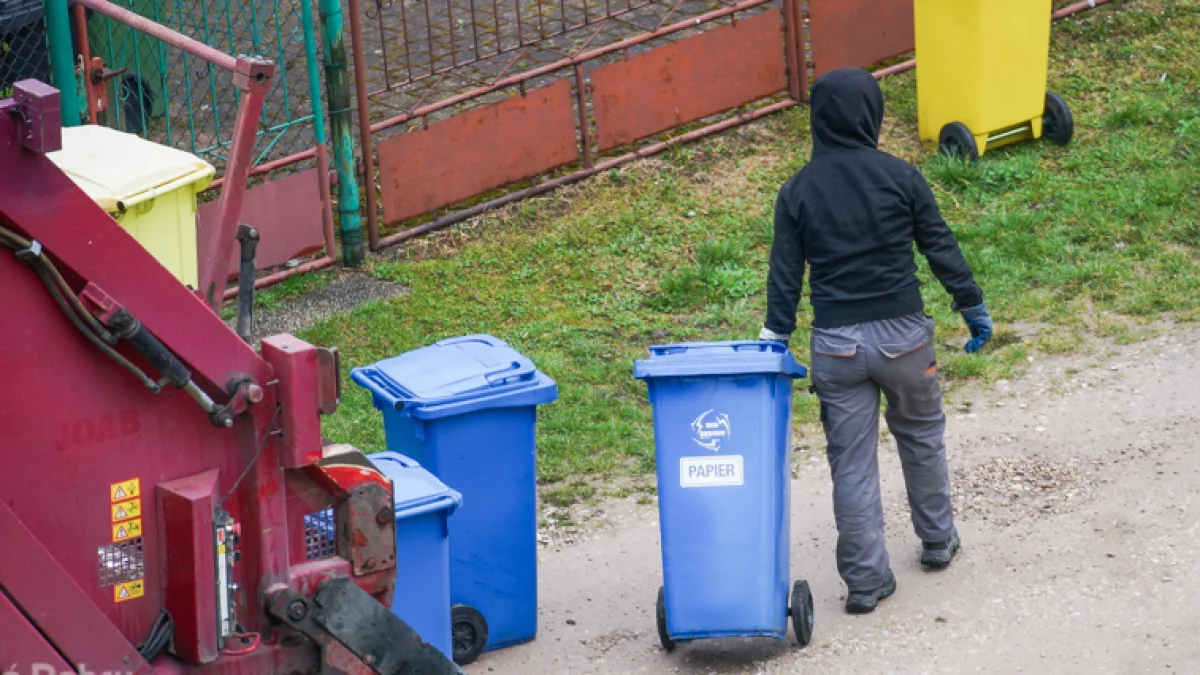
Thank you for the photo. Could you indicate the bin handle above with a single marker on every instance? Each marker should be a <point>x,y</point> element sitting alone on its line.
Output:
<point>740,346</point>
<point>379,386</point>
<point>757,346</point>
<point>503,378</point>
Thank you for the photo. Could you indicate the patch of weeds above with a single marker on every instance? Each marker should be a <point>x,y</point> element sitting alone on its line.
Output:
<point>1005,338</point>
<point>568,495</point>
<point>949,171</point>
<point>1059,342</point>
<point>1134,112</point>
<point>720,273</point>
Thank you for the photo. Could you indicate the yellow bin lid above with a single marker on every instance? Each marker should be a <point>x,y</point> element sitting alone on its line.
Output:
<point>118,170</point>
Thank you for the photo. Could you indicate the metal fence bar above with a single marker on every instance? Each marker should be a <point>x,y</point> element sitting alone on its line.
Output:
<point>163,80</point>
<point>182,42</point>
<point>62,59</point>
<point>79,15</point>
<point>212,79</point>
<point>1079,7</point>
<point>343,132</point>
<point>322,154</point>
<point>364,122</point>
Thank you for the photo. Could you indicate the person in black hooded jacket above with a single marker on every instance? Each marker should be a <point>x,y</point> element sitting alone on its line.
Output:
<point>852,216</point>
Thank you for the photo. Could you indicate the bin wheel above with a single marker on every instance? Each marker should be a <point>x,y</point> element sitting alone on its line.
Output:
<point>956,140</point>
<point>661,615</point>
<point>1058,125</point>
<point>469,632</point>
<point>802,612</point>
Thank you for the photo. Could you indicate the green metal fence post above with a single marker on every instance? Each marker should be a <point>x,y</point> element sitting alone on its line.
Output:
<point>62,59</point>
<point>338,83</point>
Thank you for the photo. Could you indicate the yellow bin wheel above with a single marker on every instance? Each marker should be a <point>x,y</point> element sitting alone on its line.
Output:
<point>1058,126</point>
<point>956,140</point>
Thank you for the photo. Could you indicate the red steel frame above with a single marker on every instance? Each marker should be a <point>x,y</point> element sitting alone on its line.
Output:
<point>797,80</point>
<point>252,77</point>
<point>798,66</point>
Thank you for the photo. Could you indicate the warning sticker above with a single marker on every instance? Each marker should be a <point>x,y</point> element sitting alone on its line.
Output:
<point>127,489</point>
<point>128,530</point>
<point>129,590</point>
<point>127,510</point>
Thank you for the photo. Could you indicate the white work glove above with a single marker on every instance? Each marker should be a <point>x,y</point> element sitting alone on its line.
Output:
<point>768,335</point>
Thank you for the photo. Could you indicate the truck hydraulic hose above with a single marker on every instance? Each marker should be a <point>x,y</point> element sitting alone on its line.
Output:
<point>32,254</point>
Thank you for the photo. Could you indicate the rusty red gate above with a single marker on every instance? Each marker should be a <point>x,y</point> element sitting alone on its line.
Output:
<point>498,100</point>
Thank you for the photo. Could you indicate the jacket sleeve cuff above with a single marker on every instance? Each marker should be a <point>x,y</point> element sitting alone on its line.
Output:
<point>973,299</point>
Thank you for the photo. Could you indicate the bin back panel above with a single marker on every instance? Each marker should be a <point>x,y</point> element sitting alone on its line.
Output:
<point>487,456</point>
<point>724,466</point>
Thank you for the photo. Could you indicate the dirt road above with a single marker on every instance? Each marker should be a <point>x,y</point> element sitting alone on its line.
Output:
<point>1078,493</point>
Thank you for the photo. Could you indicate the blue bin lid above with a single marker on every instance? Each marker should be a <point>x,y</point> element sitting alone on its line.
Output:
<point>455,377</point>
<point>699,359</point>
<point>417,491</point>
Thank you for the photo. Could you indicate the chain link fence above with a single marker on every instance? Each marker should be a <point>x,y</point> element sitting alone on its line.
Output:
<point>144,86</point>
<point>23,51</point>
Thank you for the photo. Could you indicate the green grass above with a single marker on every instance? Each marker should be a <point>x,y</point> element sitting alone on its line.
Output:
<point>1097,239</point>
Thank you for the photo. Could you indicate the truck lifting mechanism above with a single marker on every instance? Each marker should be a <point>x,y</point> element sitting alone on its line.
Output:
<point>162,478</point>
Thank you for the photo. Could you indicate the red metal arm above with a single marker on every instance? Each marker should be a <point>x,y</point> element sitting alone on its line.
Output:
<point>253,77</point>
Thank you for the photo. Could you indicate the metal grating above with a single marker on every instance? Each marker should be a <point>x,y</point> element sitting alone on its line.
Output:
<point>318,536</point>
<point>121,562</point>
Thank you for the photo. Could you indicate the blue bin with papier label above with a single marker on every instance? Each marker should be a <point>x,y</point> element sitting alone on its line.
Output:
<point>722,432</point>
<point>466,409</point>
<point>423,506</point>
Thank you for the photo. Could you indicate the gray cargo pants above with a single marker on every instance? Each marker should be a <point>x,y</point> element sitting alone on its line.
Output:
<point>850,366</point>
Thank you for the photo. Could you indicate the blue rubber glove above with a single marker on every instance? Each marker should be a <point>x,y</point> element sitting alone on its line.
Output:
<point>979,321</point>
<point>768,335</point>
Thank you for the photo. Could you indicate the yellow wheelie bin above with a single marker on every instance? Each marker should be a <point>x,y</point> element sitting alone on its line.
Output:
<point>981,75</point>
<point>149,189</point>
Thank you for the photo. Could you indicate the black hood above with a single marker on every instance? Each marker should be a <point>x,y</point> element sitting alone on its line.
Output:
<point>847,111</point>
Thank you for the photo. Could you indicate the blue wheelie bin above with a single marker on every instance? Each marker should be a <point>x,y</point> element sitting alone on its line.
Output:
<point>466,409</point>
<point>423,505</point>
<point>722,431</point>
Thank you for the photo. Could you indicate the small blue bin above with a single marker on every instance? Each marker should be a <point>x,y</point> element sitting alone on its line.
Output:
<point>722,430</point>
<point>466,409</point>
<point>423,505</point>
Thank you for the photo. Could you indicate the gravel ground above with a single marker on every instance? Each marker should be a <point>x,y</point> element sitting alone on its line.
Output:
<point>1077,493</point>
<point>341,295</point>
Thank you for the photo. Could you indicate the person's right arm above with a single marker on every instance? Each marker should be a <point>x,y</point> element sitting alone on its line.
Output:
<point>937,243</point>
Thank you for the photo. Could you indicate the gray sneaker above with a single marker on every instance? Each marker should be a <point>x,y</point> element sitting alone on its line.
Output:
<point>865,602</point>
<point>938,554</point>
